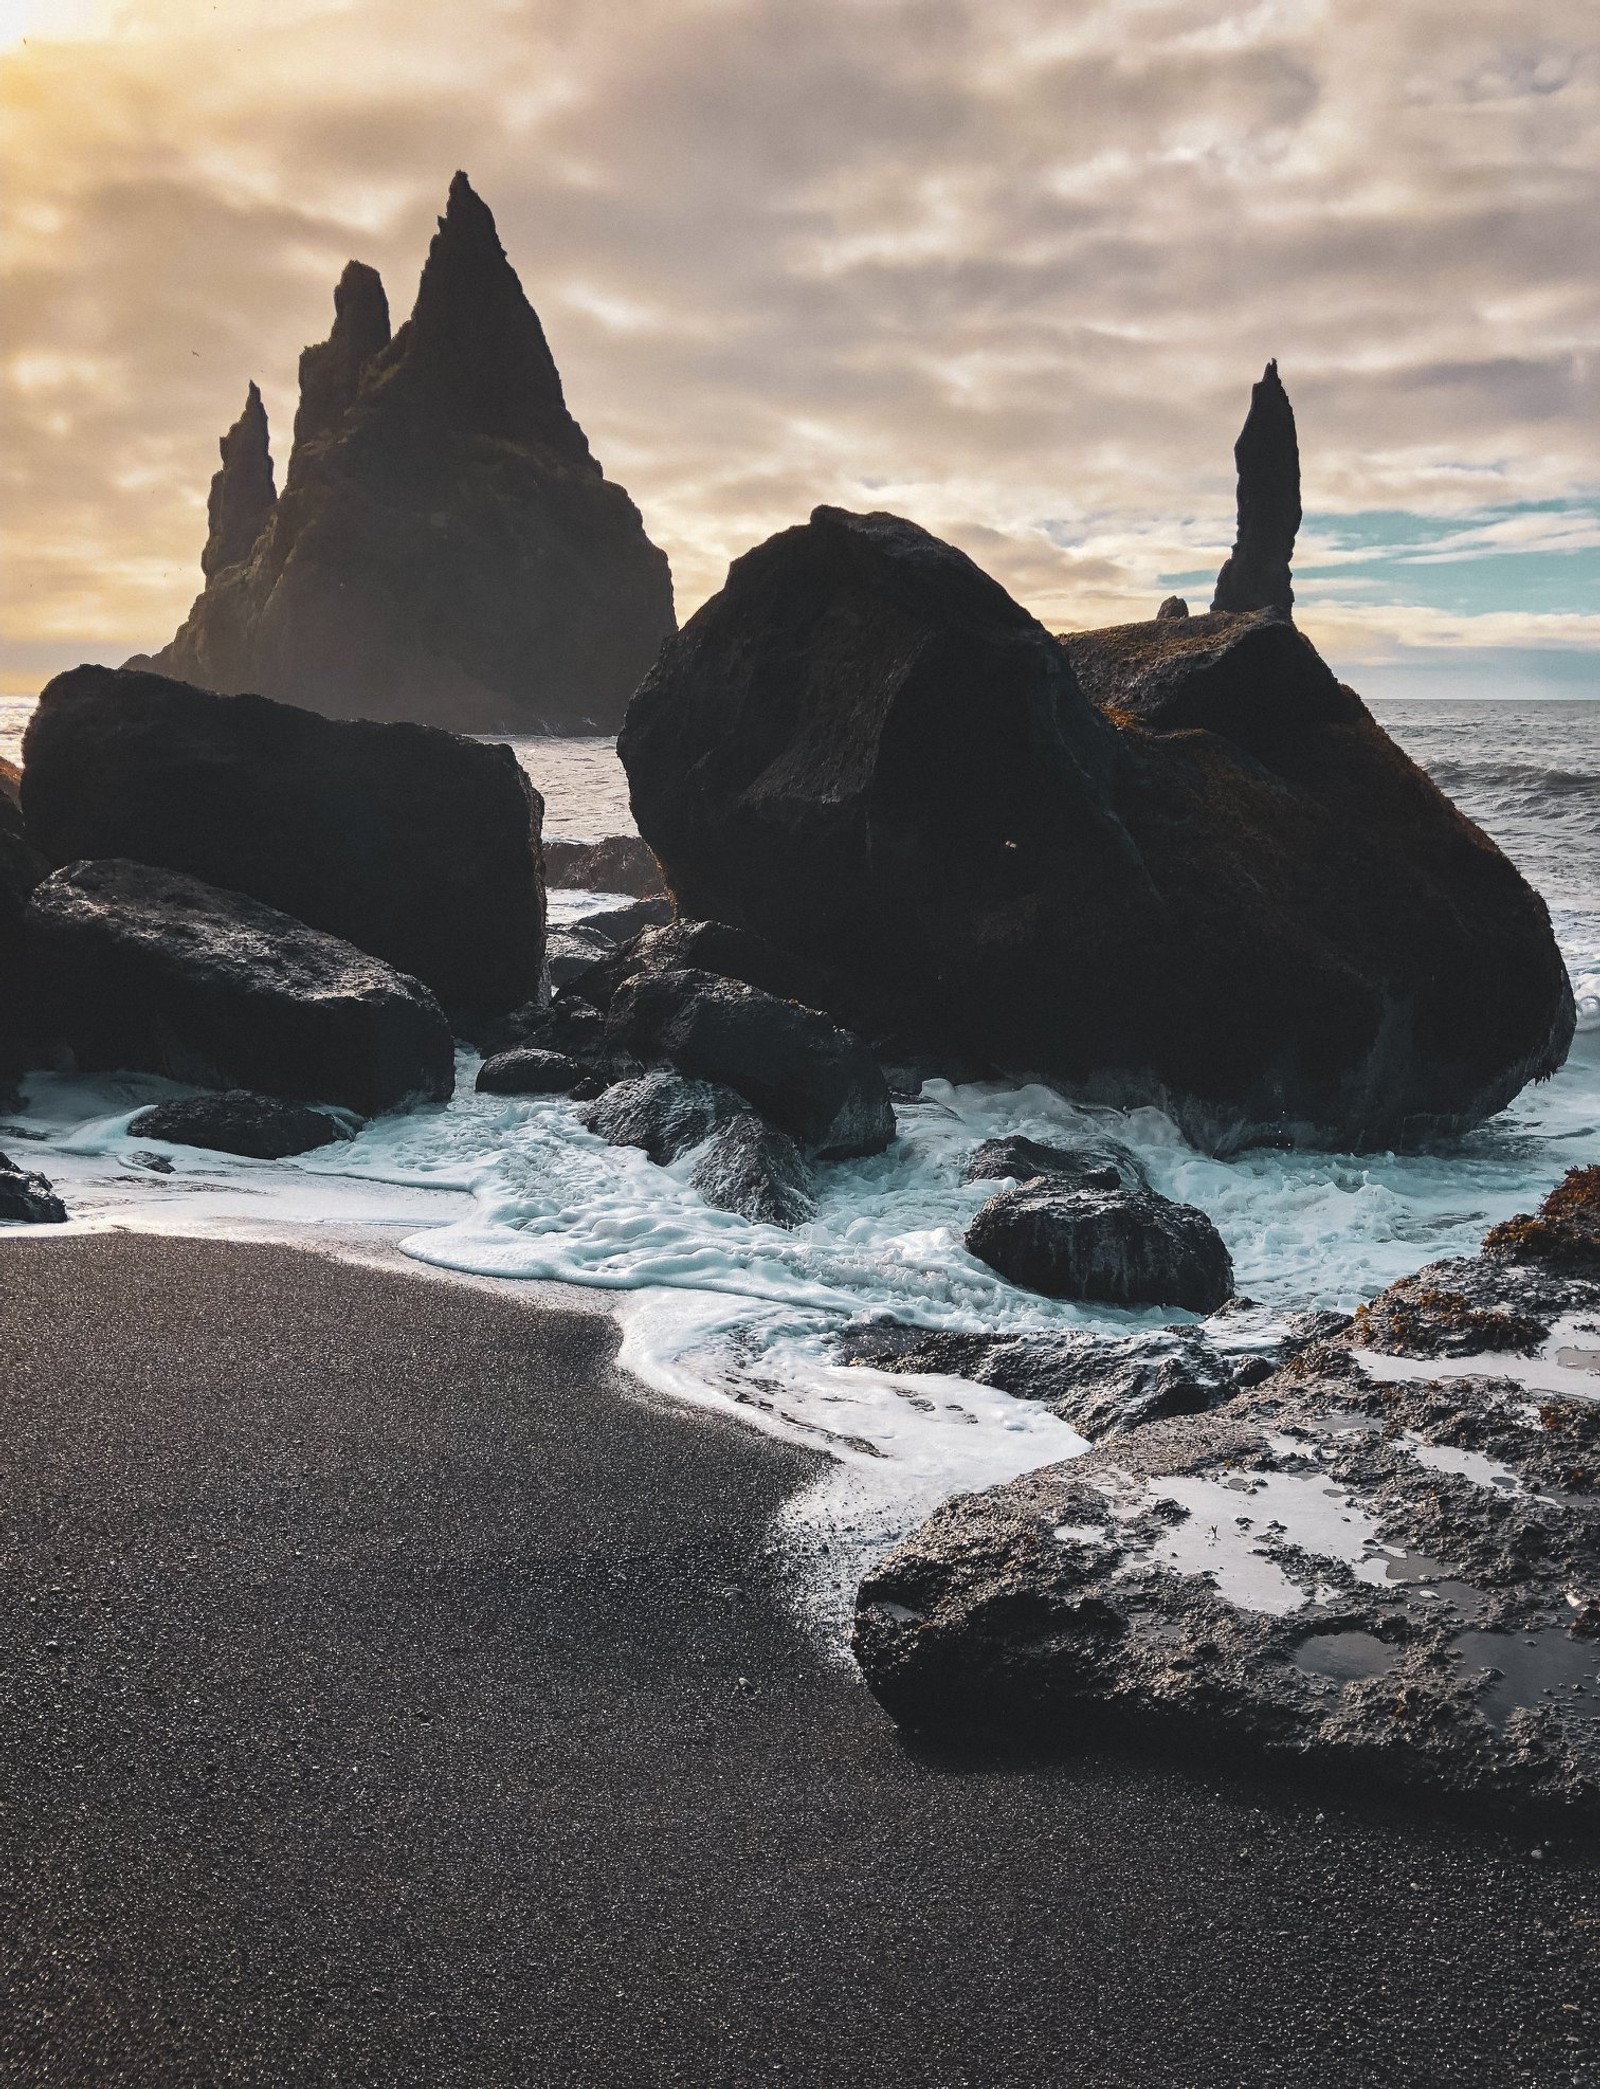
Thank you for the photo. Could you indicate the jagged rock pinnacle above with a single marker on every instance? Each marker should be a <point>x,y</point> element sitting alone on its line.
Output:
<point>331,370</point>
<point>242,494</point>
<point>1267,454</point>
<point>473,344</point>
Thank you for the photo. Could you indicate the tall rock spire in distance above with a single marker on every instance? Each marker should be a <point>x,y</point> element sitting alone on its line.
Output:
<point>331,370</point>
<point>242,494</point>
<point>1267,454</point>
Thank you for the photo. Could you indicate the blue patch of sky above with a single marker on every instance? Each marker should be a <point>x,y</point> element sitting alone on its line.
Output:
<point>1541,557</point>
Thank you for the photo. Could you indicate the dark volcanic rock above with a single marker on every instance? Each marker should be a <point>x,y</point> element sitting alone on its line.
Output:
<point>712,946</point>
<point>1173,606</point>
<point>1099,1384</point>
<point>752,1168</point>
<point>663,1113</point>
<point>1256,573</point>
<point>1123,1247</point>
<point>1503,1301</point>
<point>529,1072</point>
<point>1248,907</point>
<point>417,845</point>
<point>242,495</point>
<point>27,1199</point>
<point>1104,1164</point>
<point>262,1127</point>
<point>570,952</point>
<point>1396,1583</point>
<point>815,1081</point>
<point>446,548</point>
<point>619,863</point>
<point>21,868</point>
<point>147,969</point>
<point>620,924</point>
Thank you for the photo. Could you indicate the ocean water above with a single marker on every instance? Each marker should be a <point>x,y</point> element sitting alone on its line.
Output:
<point>741,1317</point>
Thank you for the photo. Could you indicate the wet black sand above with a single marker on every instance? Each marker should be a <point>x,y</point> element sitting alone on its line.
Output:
<point>388,1698</point>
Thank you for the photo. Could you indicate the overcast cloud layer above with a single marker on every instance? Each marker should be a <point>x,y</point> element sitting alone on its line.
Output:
<point>1003,266</point>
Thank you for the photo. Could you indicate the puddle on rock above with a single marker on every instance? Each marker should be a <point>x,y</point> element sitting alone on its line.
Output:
<point>1346,1657</point>
<point>1547,1667</point>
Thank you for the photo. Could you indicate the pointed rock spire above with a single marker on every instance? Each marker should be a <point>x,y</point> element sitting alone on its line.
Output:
<point>473,343</point>
<point>330,371</point>
<point>1267,454</point>
<point>242,494</point>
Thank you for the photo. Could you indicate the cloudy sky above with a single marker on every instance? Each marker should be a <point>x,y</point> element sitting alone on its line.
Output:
<point>1004,266</point>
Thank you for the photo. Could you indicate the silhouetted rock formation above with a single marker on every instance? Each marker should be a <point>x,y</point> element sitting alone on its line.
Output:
<point>1173,606</point>
<point>446,548</point>
<point>21,868</point>
<point>1256,573</point>
<point>145,969</point>
<point>242,495</point>
<point>414,844</point>
<point>1194,871</point>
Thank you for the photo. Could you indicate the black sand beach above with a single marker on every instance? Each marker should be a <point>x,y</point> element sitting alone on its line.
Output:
<point>389,1696</point>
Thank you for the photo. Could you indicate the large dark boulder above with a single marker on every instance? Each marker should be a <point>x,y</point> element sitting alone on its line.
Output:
<point>147,969</point>
<point>27,1199</point>
<point>1121,1247</point>
<point>417,845</point>
<point>1394,1583</point>
<point>1098,1164</point>
<point>1220,887</point>
<point>752,1168</point>
<point>21,868</point>
<point>261,1127</point>
<point>528,1071</point>
<point>663,1113</point>
<point>619,863</point>
<point>815,1081</point>
<point>445,547</point>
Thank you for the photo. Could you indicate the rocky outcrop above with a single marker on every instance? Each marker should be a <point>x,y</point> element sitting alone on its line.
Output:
<point>1174,864</point>
<point>529,1072</point>
<point>27,1199</point>
<point>417,845</point>
<point>1255,575</point>
<point>1101,1164</point>
<point>1394,1583</point>
<point>619,863</point>
<point>1121,1247</point>
<point>148,970</point>
<point>260,1127</point>
<point>445,548</point>
<point>813,1080</point>
<point>751,1168</point>
<point>243,495</point>
<point>662,1113</point>
<point>21,868</point>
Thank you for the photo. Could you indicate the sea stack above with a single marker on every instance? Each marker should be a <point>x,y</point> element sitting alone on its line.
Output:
<point>446,548</point>
<point>1256,573</point>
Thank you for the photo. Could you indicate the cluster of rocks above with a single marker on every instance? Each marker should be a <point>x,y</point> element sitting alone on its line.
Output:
<point>1336,1567</point>
<point>446,548</point>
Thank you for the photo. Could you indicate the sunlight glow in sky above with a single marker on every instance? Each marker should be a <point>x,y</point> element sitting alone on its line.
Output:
<point>1006,266</point>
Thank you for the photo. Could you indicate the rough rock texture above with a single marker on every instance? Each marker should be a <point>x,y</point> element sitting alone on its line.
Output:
<point>711,946</point>
<point>619,863</point>
<point>529,1072</point>
<point>752,1168</point>
<point>1255,575</point>
<point>1394,1582</point>
<point>1223,889</point>
<point>1172,606</point>
<point>620,924</point>
<point>242,495</point>
<point>149,970</point>
<point>1101,1385</point>
<point>446,548</point>
<point>262,1127</point>
<point>21,868</point>
<point>1103,1164</point>
<point>569,953</point>
<point>813,1080</point>
<point>1122,1247</point>
<point>663,1113</point>
<point>27,1199</point>
<point>417,845</point>
<point>1531,1272</point>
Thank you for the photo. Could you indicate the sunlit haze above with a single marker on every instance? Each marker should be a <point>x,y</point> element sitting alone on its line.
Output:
<point>1005,267</point>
